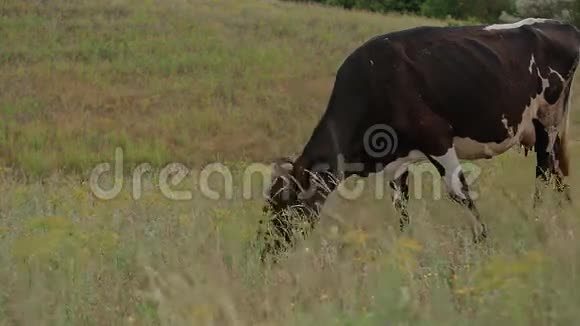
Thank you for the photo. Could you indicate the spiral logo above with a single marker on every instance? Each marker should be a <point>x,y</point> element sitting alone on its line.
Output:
<point>380,140</point>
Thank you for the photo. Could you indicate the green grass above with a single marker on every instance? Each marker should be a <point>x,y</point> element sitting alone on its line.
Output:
<point>234,82</point>
<point>169,81</point>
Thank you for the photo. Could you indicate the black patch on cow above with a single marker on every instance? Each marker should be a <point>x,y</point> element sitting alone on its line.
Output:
<point>554,90</point>
<point>540,85</point>
<point>437,165</point>
<point>541,147</point>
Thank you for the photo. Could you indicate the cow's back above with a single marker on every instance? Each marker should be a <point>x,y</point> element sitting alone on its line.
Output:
<point>469,74</point>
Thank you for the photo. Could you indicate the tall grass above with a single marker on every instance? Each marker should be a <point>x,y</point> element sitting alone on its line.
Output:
<point>68,258</point>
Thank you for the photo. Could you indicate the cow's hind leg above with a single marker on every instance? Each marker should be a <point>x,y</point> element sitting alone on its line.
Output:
<point>547,166</point>
<point>559,156</point>
<point>542,161</point>
<point>400,198</point>
<point>456,183</point>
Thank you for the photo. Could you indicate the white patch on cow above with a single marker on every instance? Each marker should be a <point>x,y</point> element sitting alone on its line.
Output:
<point>504,120</point>
<point>524,133</point>
<point>396,168</point>
<point>452,167</point>
<point>552,71</point>
<point>545,82</point>
<point>532,63</point>
<point>469,149</point>
<point>372,62</point>
<point>524,22</point>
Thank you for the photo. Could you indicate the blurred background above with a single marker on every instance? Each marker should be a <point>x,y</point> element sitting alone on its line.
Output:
<point>472,10</point>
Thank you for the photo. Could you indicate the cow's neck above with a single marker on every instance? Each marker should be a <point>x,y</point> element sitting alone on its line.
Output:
<point>315,182</point>
<point>318,170</point>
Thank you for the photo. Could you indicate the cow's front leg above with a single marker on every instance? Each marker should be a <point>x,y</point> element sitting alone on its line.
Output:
<point>400,198</point>
<point>457,187</point>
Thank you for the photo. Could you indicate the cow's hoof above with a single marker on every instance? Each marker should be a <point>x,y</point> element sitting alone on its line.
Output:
<point>404,225</point>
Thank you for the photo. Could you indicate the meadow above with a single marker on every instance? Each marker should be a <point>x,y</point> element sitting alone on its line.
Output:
<point>237,83</point>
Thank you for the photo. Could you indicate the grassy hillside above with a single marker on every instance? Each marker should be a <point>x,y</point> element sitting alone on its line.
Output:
<point>196,81</point>
<point>167,80</point>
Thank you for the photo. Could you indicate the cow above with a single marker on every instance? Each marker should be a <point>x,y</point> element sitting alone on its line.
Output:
<point>437,94</point>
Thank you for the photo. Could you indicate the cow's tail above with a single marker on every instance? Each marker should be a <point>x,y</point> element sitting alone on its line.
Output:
<point>562,151</point>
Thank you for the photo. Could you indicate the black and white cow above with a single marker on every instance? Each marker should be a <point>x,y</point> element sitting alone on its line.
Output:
<point>445,93</point>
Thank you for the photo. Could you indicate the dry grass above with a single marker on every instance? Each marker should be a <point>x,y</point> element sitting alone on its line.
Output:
<point>234,81</point>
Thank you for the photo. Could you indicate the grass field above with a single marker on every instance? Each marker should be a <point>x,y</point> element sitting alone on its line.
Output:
<point>235,82</point>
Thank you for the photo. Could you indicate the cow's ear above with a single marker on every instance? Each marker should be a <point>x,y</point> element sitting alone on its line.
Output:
<point>282,167</point>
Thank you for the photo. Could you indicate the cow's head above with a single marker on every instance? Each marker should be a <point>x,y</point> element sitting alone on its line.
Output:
<point>291,188</point>
<point>282,193</point>
<point>288,195</point>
